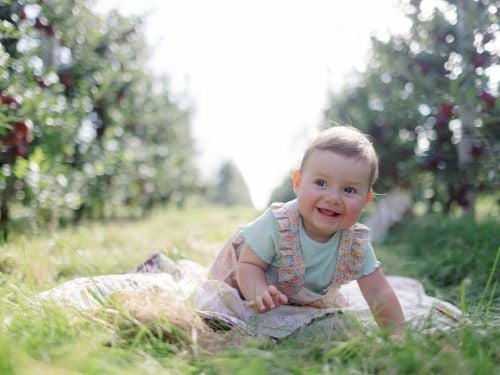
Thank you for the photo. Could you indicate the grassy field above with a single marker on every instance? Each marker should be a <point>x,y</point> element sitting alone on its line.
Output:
<point>453,257</point>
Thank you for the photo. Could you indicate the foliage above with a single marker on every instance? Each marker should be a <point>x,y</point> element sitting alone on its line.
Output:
<point>344,351</point>
<point>84,128</point>
<point>429,101</point>
<point>447,252</point>
<point>283,192</point>
<point>230,188</point>
<point>55,340</point>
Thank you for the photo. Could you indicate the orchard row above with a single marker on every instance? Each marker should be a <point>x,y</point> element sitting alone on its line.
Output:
<point>429,100</point>
<point>85,129</point>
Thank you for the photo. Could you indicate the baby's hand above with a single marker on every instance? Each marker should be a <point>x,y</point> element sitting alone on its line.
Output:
<point>269,299</point>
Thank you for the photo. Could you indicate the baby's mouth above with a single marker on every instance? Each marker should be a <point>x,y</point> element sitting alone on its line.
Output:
<point>327,212</point>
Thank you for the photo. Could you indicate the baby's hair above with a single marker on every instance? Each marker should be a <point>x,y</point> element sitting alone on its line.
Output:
<point>347,141</point>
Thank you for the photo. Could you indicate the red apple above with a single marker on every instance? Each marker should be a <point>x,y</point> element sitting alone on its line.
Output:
<point>481,60</point>
<point>487,98</point>
<point>23,130</point>
<point>424,67</point>
<point>477,151</point>
<point>49,29</point>
<point>41,23</point>
<point>22,13</point>
<point>21,150</point>
<point>66,80</point>
<point>446,110</point>
<point>442,122</point>
<point>41,83</point>
<point>8,100</point>
<point>488,37</point>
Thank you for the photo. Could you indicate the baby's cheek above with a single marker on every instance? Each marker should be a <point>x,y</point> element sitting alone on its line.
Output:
<point>357,208</point>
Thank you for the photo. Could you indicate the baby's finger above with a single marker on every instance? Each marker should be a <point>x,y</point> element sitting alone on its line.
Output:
<point>260,304</point>
<point>257,305</point>
<point>273,290</point>
<point>278,297</point>
<point>283,299</point>
<point>268,301</point>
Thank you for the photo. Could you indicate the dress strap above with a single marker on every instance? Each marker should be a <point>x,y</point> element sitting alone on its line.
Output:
<point>291,270</point>
<point>349,265</point>
<point>351,255</point>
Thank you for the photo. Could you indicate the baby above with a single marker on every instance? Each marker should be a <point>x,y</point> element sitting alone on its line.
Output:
<point>302,251</point>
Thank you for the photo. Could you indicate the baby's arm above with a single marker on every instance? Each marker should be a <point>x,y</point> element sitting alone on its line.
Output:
<point>383,302</point>
<point>251,276</point>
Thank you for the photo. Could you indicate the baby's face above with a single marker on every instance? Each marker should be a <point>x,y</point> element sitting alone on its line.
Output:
<point>332,190</point>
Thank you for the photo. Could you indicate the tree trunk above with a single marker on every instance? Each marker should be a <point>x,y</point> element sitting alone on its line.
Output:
<point>4,208</point>
<point>466,108</point>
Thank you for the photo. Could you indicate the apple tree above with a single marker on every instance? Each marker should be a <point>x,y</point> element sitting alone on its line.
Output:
<point>429,100</point>
<point>230,187</point>
<point>86,130</point>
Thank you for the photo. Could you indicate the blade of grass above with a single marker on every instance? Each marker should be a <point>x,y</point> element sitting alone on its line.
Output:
<point>463,302</point>
<point>492,295</point>
<point>488,283</point>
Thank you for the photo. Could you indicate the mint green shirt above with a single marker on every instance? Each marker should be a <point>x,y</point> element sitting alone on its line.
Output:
<point>320,259</point>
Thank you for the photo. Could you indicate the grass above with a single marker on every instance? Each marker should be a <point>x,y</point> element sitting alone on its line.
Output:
<point>447,254</point>
<point>139,334</point>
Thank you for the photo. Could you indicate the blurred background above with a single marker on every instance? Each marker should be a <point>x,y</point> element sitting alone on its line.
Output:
<point>110,109</point>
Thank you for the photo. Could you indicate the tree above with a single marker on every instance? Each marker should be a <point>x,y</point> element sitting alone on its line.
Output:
<point>85,129</point>
<point>230,187</point>
<point>429,103</point>
<point>284,192</point>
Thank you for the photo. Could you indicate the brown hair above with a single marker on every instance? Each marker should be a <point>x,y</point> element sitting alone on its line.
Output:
<point>347,141</point>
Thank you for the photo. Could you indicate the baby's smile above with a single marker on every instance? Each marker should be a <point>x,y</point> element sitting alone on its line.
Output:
<point>328,212</point>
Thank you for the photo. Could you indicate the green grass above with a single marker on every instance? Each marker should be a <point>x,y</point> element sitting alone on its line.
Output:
<point>454,258</point>
<point>447,254</point>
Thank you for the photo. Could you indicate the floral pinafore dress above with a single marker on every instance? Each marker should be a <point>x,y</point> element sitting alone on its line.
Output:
<point>291,270</point>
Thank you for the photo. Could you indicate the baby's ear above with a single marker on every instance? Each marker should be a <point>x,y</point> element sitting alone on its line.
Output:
<point>369,197</point>
<point>296,178</point>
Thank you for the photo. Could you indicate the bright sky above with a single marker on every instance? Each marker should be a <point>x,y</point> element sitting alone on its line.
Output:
<point>258,71</point>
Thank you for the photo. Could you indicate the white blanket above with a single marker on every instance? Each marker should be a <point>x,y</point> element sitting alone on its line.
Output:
<point>187,282</point>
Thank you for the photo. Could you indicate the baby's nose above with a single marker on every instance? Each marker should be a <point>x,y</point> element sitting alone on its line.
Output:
<point>333,195</point>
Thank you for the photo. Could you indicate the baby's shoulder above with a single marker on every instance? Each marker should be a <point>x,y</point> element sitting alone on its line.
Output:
<point>360,233</point>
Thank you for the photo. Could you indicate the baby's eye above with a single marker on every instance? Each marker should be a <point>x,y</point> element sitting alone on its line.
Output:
<point>320,183</point>
<point>350,190</point>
